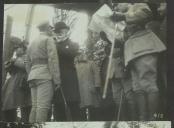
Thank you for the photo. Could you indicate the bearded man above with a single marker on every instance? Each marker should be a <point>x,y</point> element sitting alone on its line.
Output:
<point>67,51</point>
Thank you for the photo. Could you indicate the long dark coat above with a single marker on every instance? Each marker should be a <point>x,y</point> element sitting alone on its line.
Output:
<point>15,91</point>
<point>67,51</point>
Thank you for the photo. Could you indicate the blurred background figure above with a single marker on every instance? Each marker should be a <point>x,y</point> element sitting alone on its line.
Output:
<point>89,86</point>
<point>15,91</point>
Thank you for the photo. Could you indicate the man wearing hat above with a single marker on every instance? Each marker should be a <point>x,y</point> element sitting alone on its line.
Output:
<point>42,65</point>
<point>141,52</point>
<point>67,51</point>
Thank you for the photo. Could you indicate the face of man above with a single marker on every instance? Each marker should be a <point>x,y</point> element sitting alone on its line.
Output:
<point>62,32</point>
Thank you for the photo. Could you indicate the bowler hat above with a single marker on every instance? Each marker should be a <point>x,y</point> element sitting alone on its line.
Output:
<point>59,26</point>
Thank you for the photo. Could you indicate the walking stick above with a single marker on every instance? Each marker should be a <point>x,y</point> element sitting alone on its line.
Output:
<point>67,109</point>
<point>108,71</point>
<point>120,105</point>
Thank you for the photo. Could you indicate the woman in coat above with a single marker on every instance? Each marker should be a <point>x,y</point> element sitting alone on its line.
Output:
<point>89,85</point>
<point>15,91</point>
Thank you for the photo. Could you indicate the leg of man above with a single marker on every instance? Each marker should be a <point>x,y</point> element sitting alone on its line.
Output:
<point>152,90</point>
<point>153,99</point>
<point>118,97</point>
<point>131,105</point>
<point>140,97</point>
<point>59,112</point>
<point>32,118</point>
<point>44,99</point>
<point>141,105</point>
<point>9,115</point>
<point>25,112</point>
<point>75,110</point>
<point>129,97</point>
<point>144,76</point>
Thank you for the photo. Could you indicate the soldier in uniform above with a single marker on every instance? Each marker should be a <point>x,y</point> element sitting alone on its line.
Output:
<point>141,52</point>
<point>42,65</point>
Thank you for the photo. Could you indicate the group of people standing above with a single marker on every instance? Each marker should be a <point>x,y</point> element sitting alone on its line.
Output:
<point>72,79</point>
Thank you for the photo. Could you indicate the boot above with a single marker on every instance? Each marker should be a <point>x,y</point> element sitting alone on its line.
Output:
<point>141,105</point>
<point>153,102</point>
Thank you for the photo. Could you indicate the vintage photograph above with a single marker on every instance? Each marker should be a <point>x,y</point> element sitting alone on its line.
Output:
<point>102,61</point>
<point>109,124</point>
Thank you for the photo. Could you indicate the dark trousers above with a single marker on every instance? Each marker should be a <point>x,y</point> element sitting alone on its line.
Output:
<point>147,105</point>
<point>144,79</point>
<point>107,113</point>
<point>90,114</point>
<point>60,111</point>
<point>25,113</point>
<point>11,115</point>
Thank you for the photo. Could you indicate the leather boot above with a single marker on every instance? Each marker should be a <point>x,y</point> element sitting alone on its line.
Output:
<point>153,102</point>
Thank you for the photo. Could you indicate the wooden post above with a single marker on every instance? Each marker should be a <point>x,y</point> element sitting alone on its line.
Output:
<point>29,22</point>
<point>6,54</point>
<point>6,45</point>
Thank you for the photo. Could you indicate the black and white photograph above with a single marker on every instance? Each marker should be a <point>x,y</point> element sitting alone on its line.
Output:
<point>71,62</point>
<point>109,124</point>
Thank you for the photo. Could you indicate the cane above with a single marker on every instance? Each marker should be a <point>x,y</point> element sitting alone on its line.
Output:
<point>108,71</point>
<point>67,109</point>
<point>120,105</point>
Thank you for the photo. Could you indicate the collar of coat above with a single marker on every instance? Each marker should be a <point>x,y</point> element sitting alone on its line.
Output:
<point>140,33</point>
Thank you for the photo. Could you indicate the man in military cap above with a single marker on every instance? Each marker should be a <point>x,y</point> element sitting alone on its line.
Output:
<point>43,72</point>
<point>141,55</point>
